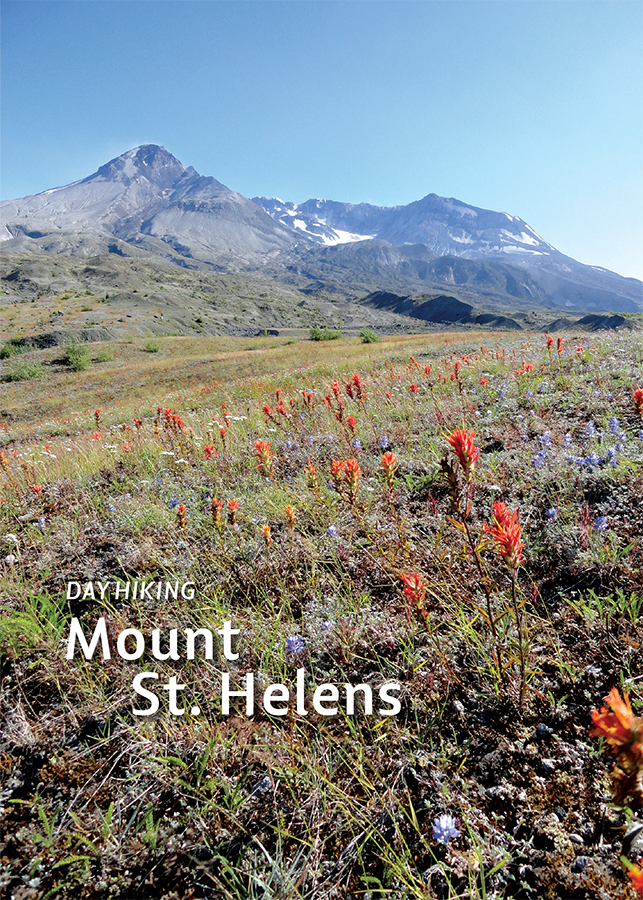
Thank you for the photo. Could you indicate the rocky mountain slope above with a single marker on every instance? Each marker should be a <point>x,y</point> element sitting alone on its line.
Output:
<point>449,227</point>
<point>145,201</point>
<point>145,204</point>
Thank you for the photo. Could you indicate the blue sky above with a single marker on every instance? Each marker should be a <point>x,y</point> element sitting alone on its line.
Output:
<point>532,108</point>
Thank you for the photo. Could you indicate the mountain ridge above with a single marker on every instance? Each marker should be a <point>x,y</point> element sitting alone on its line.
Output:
<point>147,203</point>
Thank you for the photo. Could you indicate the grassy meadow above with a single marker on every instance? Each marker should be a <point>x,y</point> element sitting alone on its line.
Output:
<point>341,503</point>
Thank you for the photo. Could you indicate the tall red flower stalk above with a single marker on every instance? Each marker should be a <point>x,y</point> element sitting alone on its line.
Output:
<point>462,445</point>
<point>506,532</point>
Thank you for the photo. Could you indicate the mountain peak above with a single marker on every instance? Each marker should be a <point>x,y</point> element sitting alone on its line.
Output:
<point>149,161</point>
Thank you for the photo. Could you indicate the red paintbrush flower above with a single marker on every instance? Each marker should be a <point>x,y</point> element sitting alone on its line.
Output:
<point>264,457</point>
<point>507,533</point>
<point>414,587</point>
<point>352,474</point>
<point>311,476</point>
<point>622,730</point>
<point>465,450</point>
<point>637,397</point>
<point>389,464</point>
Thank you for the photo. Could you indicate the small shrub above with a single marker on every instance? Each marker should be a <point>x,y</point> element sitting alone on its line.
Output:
<point>23,370</point>
<point>104,355</point>
<point>368,336</point>
<point>11,348</point>
<point>152,346</point>
<point>324,334</point>
<point>77,357</point>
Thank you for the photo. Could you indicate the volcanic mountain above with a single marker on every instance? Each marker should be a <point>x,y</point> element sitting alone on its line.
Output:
<point>450,228</point>
<point>146,203</point>
<point>144,200</point>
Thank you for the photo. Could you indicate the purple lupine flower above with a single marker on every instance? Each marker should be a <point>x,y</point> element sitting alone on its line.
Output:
<point>444,828</point>
<point>173,503</point>
<point>545,439</point>
<point>384,442</point>
<point>331,531</point>
<point>600,524</point>
<point>539,459</point>
<point>294,644</point>
<point>592,461</point>
<point>611,454</point>
<point>552,513</point>
<point>567,440</point>
<point>356,444</point>
<point>590,430</point>
<point>613,425</point>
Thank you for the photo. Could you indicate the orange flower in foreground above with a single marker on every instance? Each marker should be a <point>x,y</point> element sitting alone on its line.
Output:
<point>464,448</point>
<point>621,729</point>
<point>636,877</point>
<point>507,533</point>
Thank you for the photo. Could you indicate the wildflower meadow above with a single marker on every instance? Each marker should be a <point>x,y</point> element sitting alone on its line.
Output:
<point>312,620</point>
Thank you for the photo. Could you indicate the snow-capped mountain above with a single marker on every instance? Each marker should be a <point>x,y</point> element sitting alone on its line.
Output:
<point>307,223</point>
<point>446,226</point>
<point>449,227</point>
<point>147,203</point>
